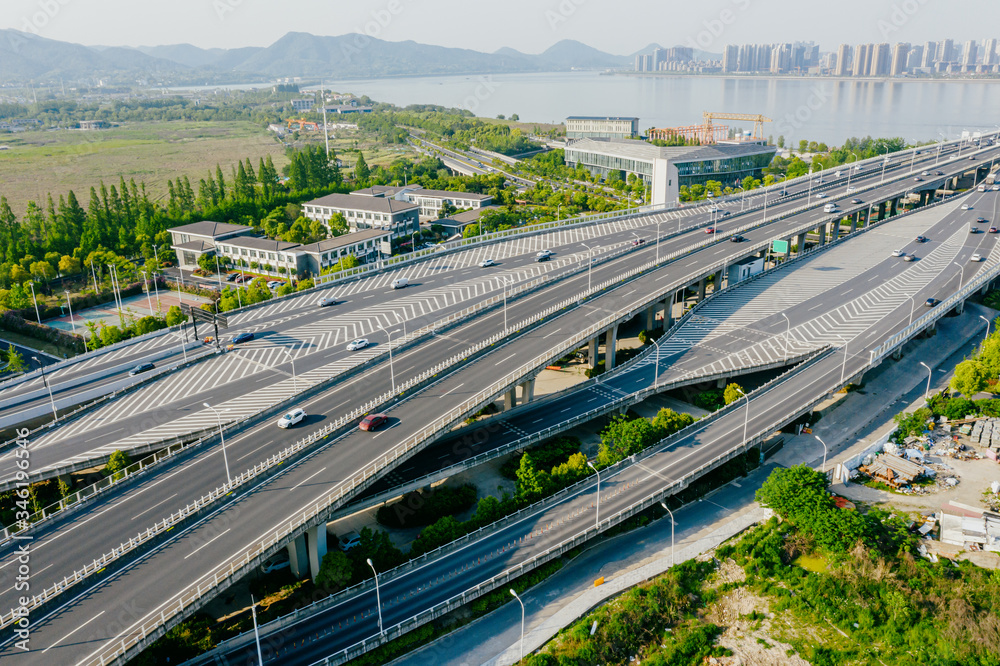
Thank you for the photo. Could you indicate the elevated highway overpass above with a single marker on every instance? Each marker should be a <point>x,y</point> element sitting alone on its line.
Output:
<point>442,393</point>
<point>721,250</point>
<point>880,290</point>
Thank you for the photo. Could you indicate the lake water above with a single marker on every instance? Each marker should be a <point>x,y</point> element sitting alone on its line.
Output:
<point>807,108</point>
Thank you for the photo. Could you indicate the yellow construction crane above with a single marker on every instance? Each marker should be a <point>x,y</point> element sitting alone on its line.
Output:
<point>757,120</point>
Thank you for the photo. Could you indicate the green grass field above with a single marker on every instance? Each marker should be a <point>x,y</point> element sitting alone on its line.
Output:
<point>36,163</point>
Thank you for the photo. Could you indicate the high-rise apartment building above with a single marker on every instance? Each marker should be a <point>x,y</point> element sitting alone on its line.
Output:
<point>730,58</point>
<point>862,60</point>
<point>970,53</point>
<point>843,60</point>
<point>900,53</point>
<point>881,60</point>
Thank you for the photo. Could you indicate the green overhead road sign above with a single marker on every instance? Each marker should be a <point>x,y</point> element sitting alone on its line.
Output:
<point>779,247</point>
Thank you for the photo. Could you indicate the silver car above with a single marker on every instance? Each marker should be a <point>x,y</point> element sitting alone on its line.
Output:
<point>355,345</point>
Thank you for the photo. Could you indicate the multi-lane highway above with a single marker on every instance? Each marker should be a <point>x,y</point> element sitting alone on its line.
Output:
<point>160,573</point>
<point>868,300</point>
<point>297,337</point>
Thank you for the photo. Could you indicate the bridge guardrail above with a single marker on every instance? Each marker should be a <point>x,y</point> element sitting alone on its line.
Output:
<point>535,508</point>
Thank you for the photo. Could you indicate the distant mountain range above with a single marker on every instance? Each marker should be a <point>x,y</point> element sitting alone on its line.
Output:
<point>25,57</point>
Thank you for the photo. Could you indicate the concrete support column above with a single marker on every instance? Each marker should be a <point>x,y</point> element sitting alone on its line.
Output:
<point>701,289</point>
<point>835,230</point>
<point>668,313</point>
<point>854,221</point>
<point>718,280</point>
<point>893,206</point>
<point>592,352</point>
<point>298,557</point>
<point>881,211</point>
<point>821,230</point>
<point>316,539</point>
<point>898,354</point>
<point>610,347</point>
<point>651,317</point>
<point>510,399</point>
<point>801,242</point>
<point>788,251</point>
<point>960,308</point>
<point>527,391</point>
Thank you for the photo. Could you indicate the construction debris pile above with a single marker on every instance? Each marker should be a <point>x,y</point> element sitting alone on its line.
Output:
<point>986,433</point>
<point>970,527</point>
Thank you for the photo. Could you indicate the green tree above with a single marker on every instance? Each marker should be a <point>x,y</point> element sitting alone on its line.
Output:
<point>175,316</point>
<point>361,171</point>
<point>970,378</point>
<point>119,460</point>
<point>335,571</point>
<point>15,362</point>
<point>624,437</point>
<point>69,265</point>
<point>530,482</point>
<point>667,421</point>
<point>732,393</point>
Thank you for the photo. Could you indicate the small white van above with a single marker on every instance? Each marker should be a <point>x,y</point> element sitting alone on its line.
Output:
<point>400,283</point>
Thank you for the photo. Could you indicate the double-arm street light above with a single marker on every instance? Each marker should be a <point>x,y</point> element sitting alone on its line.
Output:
<point>222,436</point>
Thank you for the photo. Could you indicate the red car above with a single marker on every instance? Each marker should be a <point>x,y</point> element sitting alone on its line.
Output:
<point>993,230</point>
<point>373,422</point>
<point>710,230</point>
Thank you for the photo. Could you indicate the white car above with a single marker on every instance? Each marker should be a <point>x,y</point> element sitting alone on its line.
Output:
<point>349,541</point>
<point>274,284</point>
<point>976,258</point>
<point>275,563</point>
<point>360,343</point>
<point>543,253</point>
<point>966,207</point>
<point>925,173</point>
<point>329,300</point>
<point>996,188</point>
<point>821,196</point>
<point>898,253</point>
<point>487,263</point>
<point>291,418</point>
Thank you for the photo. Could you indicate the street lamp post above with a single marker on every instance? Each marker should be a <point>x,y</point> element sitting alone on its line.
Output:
<point>590,260</point>
<point>69,302</point>
<point>378,596</point>
<point>850,170</point>
<point>222,436</point>
<point>885,161</point>
<point>788,333</point>
<point>256,632</point>
<point>149,300</point>
<point>38,317</point>
<point>658,241</point>
<point>988,322</point>
<point>522,622</point>
<point>664,505</point>
<point>392,372</point>
<point>746,417</point>
<point>927,392</point>
<point>597,520</point>
<point>823,468</point>
<point>218,273</point>
<point>843,366</point>
<point>55,414</point>
<point>295,381</point>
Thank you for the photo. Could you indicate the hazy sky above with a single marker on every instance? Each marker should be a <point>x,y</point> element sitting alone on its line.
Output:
<point>617,26</point>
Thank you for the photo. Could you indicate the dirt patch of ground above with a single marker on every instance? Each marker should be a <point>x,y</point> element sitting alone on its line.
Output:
<point>748,625</point>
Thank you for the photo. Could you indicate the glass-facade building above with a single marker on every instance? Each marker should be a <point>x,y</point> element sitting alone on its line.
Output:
<point>668,169</point>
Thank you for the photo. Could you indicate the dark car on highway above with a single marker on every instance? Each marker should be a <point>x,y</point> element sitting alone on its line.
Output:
<point>921,239</point>
<point>736,239</point>
<point>373,422</point>
<point>931,302</point>
<point>242,337</point>
<point>139,369</point>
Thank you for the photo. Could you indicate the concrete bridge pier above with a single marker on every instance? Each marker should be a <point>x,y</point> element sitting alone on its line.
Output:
<point>668,312</point>
<point>835,230</point>
<point>611,346</point>
<point>306,551</point>
<point>651,316</point>
<point>701,289</point>
<point>528,391</point>
<point>881,211</point>
<point>821,230</point>
<point>592,352</point>
<point>788,252</point>
<point>893,205</point>
<point>960,308</point>
<point>897,354</point>
<point>854,221</point>
<point>717,281</point>
<point>801,243</point>
<point>510,399</point>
